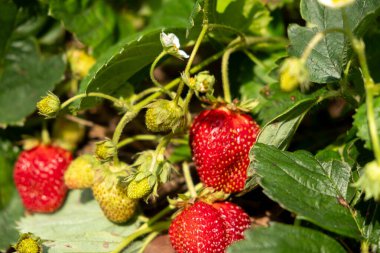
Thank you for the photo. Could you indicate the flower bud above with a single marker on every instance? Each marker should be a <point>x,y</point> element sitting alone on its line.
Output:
<point>370,181</point>
<point>336,3</point>
<point>28,243</point>
<point>163,116</point>
<point>293,73</point>
<point>49,105</point>
<point>105,150</point>
<point>204,82</point>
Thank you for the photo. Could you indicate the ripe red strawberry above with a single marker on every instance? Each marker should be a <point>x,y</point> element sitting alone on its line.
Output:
<point>198,229</point>
<point>220,140</point>
<point>235,220</point>
<point>205,228</point>
<point>38,176</point>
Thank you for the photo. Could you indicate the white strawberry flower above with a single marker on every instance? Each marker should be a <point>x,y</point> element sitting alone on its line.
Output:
<point>336,3</point>
<point>170,43</point>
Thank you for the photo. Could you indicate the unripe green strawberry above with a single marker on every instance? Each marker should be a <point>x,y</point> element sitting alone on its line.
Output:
<point>28,244</point>
<point>149,171</point>
<point>139,189</point>
<point>111,193</point>
<point>105,150</point>
<point>80,173</point>
<point>163,116</point>
<point>49,105</point>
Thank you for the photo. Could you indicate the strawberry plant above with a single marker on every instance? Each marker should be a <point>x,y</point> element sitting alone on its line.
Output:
<point>189,126</point>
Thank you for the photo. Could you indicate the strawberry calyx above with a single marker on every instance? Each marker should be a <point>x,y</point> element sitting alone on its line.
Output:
<point>111,174</point>
<point>207,195</point>
<point>237,106</point>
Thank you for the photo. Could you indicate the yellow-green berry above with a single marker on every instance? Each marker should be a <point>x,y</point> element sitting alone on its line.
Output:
<point>49,105</point>
<point>111,194</point>
<point>80,173</point>
<point>164,116</point>
<point>293,74</point>
<point>139,189</point>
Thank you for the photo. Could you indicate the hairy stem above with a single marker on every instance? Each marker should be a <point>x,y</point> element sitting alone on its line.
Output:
<point>90,94</point>
<point>127,117</point>
<point>129,239</point>
<point>152,67</point>
<point>176,81</point>
<point>45,136</point>
<point>190,61</point>
<point>189,180</point>
<point>147,240</point>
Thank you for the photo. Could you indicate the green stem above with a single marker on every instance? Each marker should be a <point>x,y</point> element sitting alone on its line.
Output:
<point>147,240</point>
<point>176,81</point>
<point>316,39</point>
<point>189,180</point>
<point>364,247</point>
<point>146,92</point>
<point>311,45</point>
<point>141,137</point>
<point>91,94</point>
<point>359,48</point>
<point>127,117</point>
<point>225,79</point>
<point>254,59</point>
<point>129,239</point>
<point>158,216</point>
<point>190,61</point>
<point>153,66</point>
<point>45,136</point>
<point>297,221</point>
<point>189,95</point>
<point>228,28</point>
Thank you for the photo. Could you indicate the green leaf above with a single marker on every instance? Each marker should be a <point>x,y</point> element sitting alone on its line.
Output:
<point>93,22</point>
<point>79,226</point>
<point>250,17</point>
<point>328,58</point>
<point>8,155</point>
<point>273,101</point>
<point>285,239</point>
<point>8,11</point>
<point>172,14</point>
<point>361,122</point>
<point>279,131</point>
<point>180,153</point>
<point>8,218</point>
<point>121,62</point>
<point>253,77</point>
<point>314,190</point>
<point>26,77</point>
